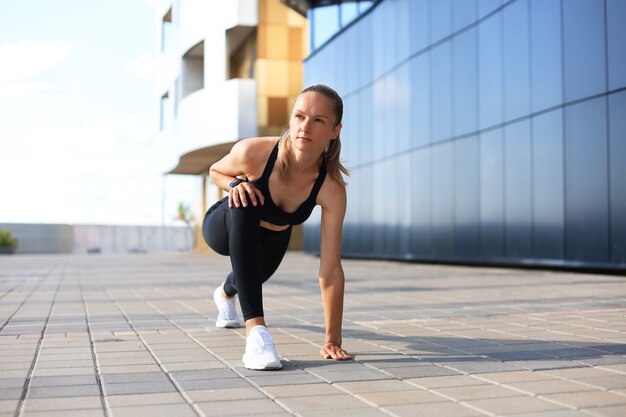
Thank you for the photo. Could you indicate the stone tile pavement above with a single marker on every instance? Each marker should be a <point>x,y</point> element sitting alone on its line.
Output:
<point>133,335</point>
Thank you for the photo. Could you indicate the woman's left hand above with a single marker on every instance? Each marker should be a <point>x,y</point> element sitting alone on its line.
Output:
<point>334,351</point>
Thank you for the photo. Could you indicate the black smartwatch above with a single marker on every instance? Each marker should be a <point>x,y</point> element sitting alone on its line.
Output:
<point>236,182</point>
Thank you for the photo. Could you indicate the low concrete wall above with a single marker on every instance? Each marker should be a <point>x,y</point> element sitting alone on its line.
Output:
<point>65,238</point>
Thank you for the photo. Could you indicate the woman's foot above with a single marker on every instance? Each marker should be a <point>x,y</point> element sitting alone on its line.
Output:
<point>227,316</point>
<point>260,352</point>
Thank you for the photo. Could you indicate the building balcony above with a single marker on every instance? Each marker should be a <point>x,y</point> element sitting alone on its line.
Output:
<point>207,117</point>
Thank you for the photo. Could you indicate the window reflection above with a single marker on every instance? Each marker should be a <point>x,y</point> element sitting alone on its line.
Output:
<point>328,17</point>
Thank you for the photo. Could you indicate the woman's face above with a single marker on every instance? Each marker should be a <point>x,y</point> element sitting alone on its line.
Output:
<point>312,123</point>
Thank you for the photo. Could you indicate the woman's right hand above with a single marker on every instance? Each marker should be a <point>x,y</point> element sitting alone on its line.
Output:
<point>238,196</point>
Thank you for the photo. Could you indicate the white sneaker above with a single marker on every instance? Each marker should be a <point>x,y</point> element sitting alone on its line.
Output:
<point>260,351</point>
<point>227,316</point>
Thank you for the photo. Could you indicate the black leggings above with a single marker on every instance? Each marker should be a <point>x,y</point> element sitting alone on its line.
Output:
<point>255,252</point>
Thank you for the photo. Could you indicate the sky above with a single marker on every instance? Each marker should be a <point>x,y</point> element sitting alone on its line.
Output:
<point>79,115</point>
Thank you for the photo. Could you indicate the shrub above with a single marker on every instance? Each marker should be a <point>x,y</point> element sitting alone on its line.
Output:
<point>7,240</point>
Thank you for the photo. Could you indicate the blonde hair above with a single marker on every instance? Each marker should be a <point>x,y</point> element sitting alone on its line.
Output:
<point>334,167</point>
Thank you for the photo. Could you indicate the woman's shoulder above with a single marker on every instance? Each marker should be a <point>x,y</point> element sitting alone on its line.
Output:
<point>253,153</point>
<point>332,192</point>
<point>251,147</point>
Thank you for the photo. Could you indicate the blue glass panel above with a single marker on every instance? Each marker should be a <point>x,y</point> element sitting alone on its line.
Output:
<point>350,63</point>
<point>617,135</point>
<point>516,60</point>
<point>379,38</point>
<point>364,5</point>
<point>490,72</point>
<point>391,220</point>
<point>379,214</point>
<point>548,185</point>
<point>403,108</point>
<point>492,194</point>
<point>403,31</point>
<point>420,25</point>
<point>420,100</point>
<point>487,6</point>
<point>465,83</point>
<point>441,93</point>
<point>440,19</point>
<point>389,116</point>
<point>545,33</point>
<point>367,129</point>
<point>443,200</point>
<point>378,118</point>
<point>366,31</point>
<point>325,21</point>
<point>464,13</point>
<point>349,11</point>
<point>421,197</point>
<point>403,204</point>
<point>517,189</point>
<point>586,182</point>
<point>364,200</point>
<point>584,47</point>
<point>466,214</point>
<point>616,31</point>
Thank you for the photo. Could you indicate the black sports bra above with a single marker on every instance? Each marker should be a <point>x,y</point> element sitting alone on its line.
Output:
<point>275,215</point>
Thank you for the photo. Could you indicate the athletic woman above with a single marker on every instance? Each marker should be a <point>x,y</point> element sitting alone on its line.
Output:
<point>285,178</point>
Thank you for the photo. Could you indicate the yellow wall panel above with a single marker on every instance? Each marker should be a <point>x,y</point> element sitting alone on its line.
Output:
<point>262,11</point>
<point>261,41</point>
<point>277,42</point>
<point>295,19</point>
<point>295,78</point>
<point>277,76</point>
<point>260,75</point>
<point>295,44</point>
<point>261,110</point>
<point>276,12</point>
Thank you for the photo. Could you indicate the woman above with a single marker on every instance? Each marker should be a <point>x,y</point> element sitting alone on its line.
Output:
<point>286,178</point>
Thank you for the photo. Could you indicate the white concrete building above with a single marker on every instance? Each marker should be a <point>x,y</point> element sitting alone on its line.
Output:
<point>226,70</point>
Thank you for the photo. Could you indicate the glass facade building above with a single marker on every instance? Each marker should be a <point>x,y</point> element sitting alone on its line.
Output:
<point>481,131</point>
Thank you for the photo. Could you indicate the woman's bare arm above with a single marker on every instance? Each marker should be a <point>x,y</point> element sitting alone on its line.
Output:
<point>333,201</point>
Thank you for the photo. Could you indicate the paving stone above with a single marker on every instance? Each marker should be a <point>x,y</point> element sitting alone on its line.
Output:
<point>421,371</point>
<point>439,409</point>
<point>320,402</point>
<point>364,375</point>
<point>283,391</point>
<point>228,394</point>
<point>517,376</point>
<point>588,399</point>
<point>416,396</point>
<point>556,413</point>
<point>218,383</point>
<point>277,379</point>
<point>138,387</point>
<point>514,405</point>
<point>549,386</point>
<point>45,372</point>
<point>345,412</point>
<point>64,391</point>
<point>161,410</point>
<point>57,404</point>
<point>243,408</point>
<point>445,381</point>
<point>612,411</point>
<point>375,386</point>
<point>57,380</point>
<point>129,400</point>
<point>68,412</point>
<point>475,392</point>
<point>607,382</point>
<point>8,406</point>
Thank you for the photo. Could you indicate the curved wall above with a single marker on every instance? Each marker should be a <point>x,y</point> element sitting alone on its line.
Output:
<point>482,131</point>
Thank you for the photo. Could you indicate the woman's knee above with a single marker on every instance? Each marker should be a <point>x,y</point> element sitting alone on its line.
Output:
<point>215,231</point>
